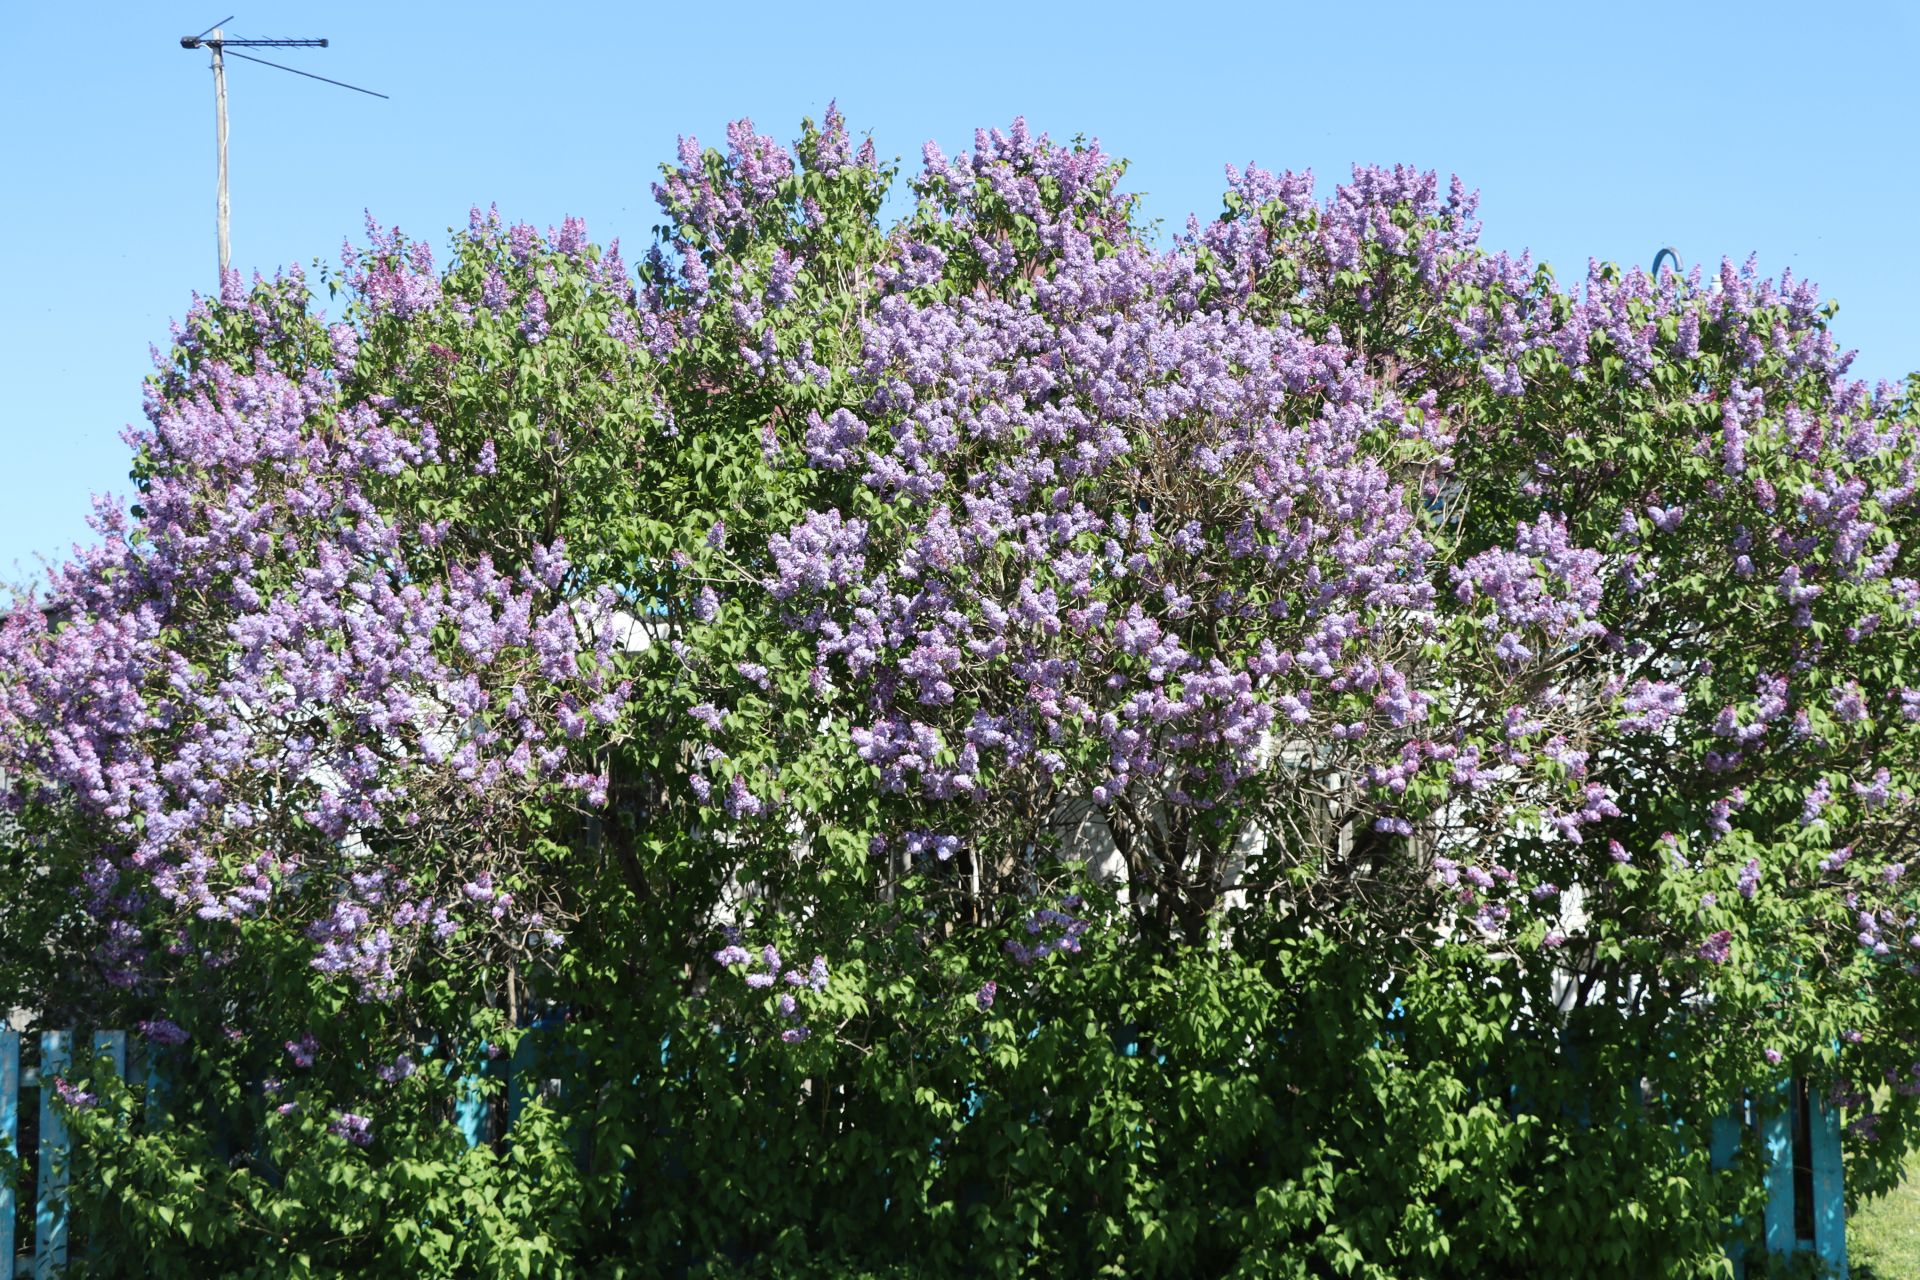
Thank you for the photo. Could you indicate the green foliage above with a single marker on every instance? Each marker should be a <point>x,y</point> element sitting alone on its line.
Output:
<point>296,1200</point>
<point>1271,1109</point>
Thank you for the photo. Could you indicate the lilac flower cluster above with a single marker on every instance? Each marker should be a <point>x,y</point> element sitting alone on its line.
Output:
<point>163,1031</point>
<point>265,665</point>
<point>303,1051</point>
<point>1049,401</point>
<point>1649,705</point>
<point>1716,949</point>
<point>73,1095</point>
<point>1052,932</point>
<point>354,1128</point>
<point>770,975</point>
<point>1543,585</point>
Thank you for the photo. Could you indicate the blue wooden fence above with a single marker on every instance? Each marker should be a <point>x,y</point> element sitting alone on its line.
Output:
<point>1797,1130</point>
<point>51,1144</point>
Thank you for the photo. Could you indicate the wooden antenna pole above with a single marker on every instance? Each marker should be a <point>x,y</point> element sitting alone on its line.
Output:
<point>218,44</point>
<point>220,130</point>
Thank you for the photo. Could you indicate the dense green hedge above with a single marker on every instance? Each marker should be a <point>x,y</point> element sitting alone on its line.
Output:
<point>1274,1110</point>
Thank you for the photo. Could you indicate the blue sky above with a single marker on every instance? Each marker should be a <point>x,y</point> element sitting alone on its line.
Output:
<point>1590,130</point>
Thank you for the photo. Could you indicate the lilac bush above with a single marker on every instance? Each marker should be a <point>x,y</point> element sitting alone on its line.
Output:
<point>1331,561</point>
<point>995,603</point>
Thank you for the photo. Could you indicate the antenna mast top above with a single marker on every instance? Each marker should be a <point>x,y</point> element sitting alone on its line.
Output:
<point>220,44</point>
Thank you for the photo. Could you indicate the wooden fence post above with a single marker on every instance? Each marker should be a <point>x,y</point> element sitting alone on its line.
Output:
<point>159,1086</point>
<point>1776,1139</point>
<point>1724,1144</point>
<point>470,1107</point>
<point>523,1073</point>
<point>1829,1189</point>
<point>50,1207</point>
<point>9,1140</point>
<point>111,1045</point>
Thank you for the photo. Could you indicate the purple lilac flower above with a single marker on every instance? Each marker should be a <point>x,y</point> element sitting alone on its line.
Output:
<point>1650,705</point>
<point>354,1128</point>
<point>493,294</point>
<point>1875,793</point>
<point>1054,933</point>
<point>533,318</point>
<point>1667,519</point>
<point>163,1031</point>
<point>741,802</point>
<point>74,1096</point>
<point>303,1050</point>
<point>923,843</point>
<point>1815,802</point>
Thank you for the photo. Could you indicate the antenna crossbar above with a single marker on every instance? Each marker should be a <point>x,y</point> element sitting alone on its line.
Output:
<point>230,42</point>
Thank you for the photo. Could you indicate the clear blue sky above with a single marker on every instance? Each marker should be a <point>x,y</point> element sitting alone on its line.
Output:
<point>1590,129</point>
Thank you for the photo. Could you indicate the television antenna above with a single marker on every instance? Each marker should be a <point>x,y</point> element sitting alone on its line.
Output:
<point>222,47</point>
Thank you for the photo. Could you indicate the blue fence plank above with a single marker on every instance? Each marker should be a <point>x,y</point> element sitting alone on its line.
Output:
<point>112,1045</point>
<point>1724,1141</point>
<point>1723,1146</point>
<point>159,1085</point>
<point>1829,1192</point>
<point>520,1075</point>
<point>1776,1140</point>
<point>50,1205</point>
<point>470,1110</point>
<point>9,1140</point>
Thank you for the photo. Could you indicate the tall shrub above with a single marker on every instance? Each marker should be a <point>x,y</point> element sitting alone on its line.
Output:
<point>990,745</point>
